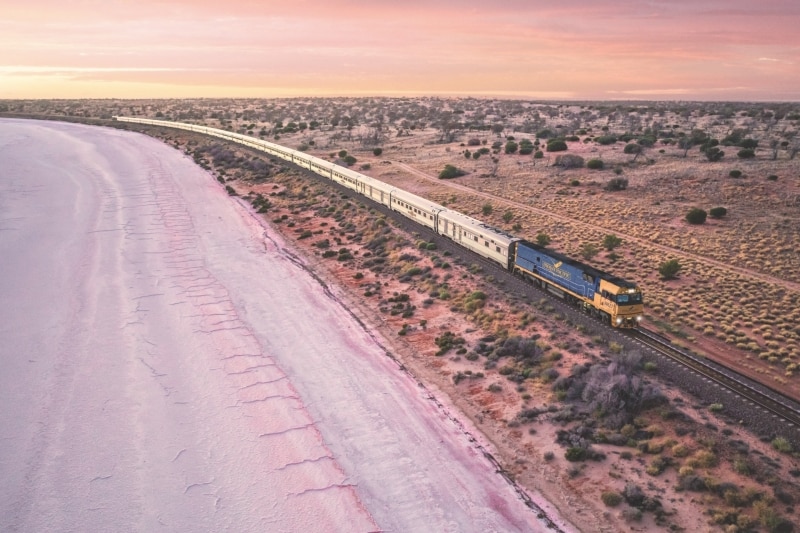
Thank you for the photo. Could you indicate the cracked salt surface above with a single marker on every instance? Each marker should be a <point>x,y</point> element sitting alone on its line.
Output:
<point>167,364</point>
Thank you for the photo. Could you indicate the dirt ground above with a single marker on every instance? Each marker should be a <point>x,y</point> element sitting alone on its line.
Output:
<point>487,398</point>
<point>735,298</point>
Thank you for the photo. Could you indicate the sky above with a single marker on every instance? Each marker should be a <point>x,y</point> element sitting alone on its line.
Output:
<point>734,50</point>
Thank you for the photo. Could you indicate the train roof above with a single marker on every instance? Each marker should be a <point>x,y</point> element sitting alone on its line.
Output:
<point>468,221</point>
<point>406,196</point>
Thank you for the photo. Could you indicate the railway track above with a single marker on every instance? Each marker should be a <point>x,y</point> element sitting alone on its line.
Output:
<point>762,398</point>
<point>759,395</point>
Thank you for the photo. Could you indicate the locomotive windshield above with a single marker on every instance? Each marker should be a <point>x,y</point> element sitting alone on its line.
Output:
<point>630,298</point>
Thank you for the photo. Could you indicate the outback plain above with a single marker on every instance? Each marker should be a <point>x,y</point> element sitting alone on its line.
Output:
<point>697,202</point>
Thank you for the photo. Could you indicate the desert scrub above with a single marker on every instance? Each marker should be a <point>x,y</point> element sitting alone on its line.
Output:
<point>782,445</point>
<point>446,341</point>
<point>611,498</point>
<point>495,387</point>
<point>703,459</point>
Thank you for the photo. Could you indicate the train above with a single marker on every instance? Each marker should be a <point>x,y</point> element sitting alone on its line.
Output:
<point>614,300</point>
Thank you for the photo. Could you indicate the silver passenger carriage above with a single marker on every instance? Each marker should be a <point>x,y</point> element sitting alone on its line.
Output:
<point>483,239</point>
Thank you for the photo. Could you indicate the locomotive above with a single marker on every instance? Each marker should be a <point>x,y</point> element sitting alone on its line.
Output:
<point>615,300</point>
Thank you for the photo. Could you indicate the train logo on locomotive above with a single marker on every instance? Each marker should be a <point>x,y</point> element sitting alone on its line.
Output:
<point>556,269</point>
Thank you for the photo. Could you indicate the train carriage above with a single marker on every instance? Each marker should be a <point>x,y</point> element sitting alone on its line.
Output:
<point>483,239</point>
<point>415,207</point>
<point>347,178</point>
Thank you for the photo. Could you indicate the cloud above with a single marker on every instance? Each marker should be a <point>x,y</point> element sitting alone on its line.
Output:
<point>584,47</point>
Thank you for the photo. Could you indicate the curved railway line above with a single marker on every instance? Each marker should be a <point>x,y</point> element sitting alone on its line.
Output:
<point>759,395</point>
<point>758,399</point>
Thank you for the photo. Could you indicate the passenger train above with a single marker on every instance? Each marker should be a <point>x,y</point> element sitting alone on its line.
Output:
<point>615,300</point>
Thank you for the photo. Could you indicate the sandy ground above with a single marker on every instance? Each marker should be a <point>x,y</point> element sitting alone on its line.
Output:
<point>521,448</point>
<point>169,365</point>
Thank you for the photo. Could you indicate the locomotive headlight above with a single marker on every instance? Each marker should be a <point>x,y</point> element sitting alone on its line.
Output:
<point>638,318</point>
<point>619,320</point>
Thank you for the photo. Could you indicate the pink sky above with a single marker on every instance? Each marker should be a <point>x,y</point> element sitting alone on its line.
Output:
<point>581,49</point>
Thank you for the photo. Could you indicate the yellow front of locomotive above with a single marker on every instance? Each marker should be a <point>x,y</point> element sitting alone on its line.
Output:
<point>621,302</point>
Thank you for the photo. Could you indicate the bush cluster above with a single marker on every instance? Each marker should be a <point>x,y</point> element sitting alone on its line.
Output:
<point>450,172</point>
<point>696,216</point>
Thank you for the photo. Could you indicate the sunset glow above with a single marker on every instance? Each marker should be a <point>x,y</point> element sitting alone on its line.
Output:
<point>679,50</point>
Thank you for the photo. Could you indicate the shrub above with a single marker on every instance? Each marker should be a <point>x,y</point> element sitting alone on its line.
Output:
<point>349,160</point>
<point>507,216</point>
<point>575,454</point>
<point>377,151</point>
<point>595,164</point>
<point>542,239</point>
<point>606,139</point>
<point>680,450</point>
<point>556,145</point>
<point>474,141</point>
<point>735,173</point>
<point>589,250</point>
<point>450,172</point>
<point>772,177</point>
<point>748,144</point>
<point>632,149</point>
<point>704,459</point>
<point>714,154</point>
<point>486,209</point>
<point>696,216</point>
<point>782,445</point>
<point>511,147</point>
<point>611,498</point>
<point>538,154</point>
<point>669,269</point>
<point>632,515</point>
<point>569,161</point>
<point>746,153</point>
<point>617,184</point>
<point>717,212</point>
<point>611,241</point>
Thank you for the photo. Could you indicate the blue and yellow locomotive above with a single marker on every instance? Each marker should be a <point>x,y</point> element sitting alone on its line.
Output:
<point>609,297</point>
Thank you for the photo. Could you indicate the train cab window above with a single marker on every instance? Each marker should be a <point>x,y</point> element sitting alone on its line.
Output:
<point>476,239</point>
<point>497,249</point>
<point>630,298</point>
<point>486,243</point>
